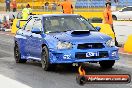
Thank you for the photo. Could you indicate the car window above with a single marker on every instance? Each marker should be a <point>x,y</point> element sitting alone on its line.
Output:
<point>38,24</point>
<point>82,23</point>
<point>69,23</point>
<point>51,24</point>
<point>29,25</point>
<point>66,23</point>
<point>127,9</point>
<point>54,23</point>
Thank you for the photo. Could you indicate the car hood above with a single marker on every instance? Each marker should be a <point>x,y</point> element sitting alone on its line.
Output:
<point>79,36</point>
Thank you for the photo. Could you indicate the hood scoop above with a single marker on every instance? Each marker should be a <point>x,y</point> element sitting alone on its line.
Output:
<point>79,32</point>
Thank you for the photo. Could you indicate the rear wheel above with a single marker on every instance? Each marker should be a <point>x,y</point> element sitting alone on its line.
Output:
<point>17,55</point>
<point>114,17</point>
<point>107,64</point>
<point>45,59</point>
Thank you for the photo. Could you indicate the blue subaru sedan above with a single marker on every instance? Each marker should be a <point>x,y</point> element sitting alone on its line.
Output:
<point>63,39</point>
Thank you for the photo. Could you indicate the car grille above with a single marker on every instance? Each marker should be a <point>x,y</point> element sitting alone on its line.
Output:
<point>90,46</point>
<point>102,54</point>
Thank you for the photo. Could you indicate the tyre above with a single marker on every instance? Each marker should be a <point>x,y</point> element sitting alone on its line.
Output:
<point>17,55</point>
<point>114,17</point>
<point>107,64</point>
<point>45,59</point>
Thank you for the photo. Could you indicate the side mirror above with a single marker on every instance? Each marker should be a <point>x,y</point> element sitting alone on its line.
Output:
<point>18,24</point>
<point>98,28</point>
<point>36,30</point>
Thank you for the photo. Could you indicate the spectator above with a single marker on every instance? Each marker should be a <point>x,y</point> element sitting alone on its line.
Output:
<point>46,6</point>
<point>108,15</point>
<point>14,5</point>
<point>26,11</point>
<point>5,22</point>
<point>7,5</point>
<point>22,6</point>
<point>108,18</point>
<point>67,7</point>
<point>11,18</point>
<point>54,6</point>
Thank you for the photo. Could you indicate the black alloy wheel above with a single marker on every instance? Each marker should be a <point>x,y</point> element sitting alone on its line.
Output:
<point>17,55</point>
<point>45,60</point>
<point>114,17</point>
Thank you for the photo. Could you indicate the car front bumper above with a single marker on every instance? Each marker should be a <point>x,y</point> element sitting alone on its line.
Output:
<point>69,56</point>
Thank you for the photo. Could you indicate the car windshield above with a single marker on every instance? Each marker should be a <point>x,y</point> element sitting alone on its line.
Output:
<point>66,23</point>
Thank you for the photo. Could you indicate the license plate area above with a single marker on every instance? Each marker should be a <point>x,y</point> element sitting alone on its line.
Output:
<point>92,54</point>
<point>96,55</point>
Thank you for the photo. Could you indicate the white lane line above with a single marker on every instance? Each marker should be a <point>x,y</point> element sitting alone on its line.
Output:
<point>6,82</point>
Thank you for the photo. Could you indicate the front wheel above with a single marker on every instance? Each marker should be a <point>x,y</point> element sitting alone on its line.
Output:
<point>107,64</point>
<point>45,59</point>
<point>114,17</point>
<point>17,55</point>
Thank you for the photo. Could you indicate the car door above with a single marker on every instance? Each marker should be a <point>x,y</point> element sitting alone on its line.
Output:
<point>129,13</point>
<point>36,40</point>
<point>27,34</point>
<point>126,13</point>
<point>121,14</point>
<point>22,41</point>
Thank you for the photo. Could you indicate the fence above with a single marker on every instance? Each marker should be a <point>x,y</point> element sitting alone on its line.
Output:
<point>79,5</point>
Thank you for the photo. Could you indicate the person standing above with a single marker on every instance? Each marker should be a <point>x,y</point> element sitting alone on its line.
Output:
<point>108,14</point>
<point>67,7</point>
<point>108,18</point>
<point>14,5</point>
<point>7,5</point>
<point>54,6</point>
<point>26,12</point>
<point>46,6</point>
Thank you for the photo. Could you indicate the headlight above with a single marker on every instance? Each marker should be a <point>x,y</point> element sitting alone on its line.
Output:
<point>64,45</point>
<point>110,43</point>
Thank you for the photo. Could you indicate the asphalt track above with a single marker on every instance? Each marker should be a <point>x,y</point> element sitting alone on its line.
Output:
<point>31,75</point>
